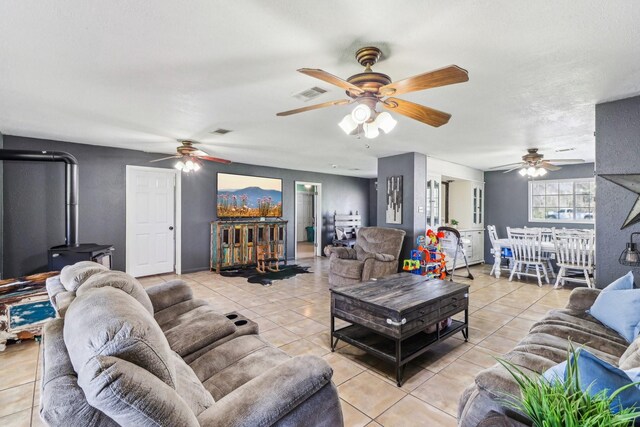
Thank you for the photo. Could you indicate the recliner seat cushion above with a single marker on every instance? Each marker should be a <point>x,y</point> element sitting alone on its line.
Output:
<point>190,388</point>
<point>234,363</point>
<point>118,280</point>
<point>72,276</point>
<point>197,329</point>
<point>349,268</point>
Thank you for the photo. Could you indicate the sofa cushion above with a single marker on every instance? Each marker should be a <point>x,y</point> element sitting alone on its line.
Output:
<point>618,307</point>
<point>630,359</point>
<point>234,363</point>
<point>166,317</point>
<point>581,321</point>
<point>190,388</point>
<point>196,329</point>
<point>108,322</point>
<point>119,280</point>
<point>62,401</point>
<point>348,268</point>
<point>72,276</point>
<point>167,294</point>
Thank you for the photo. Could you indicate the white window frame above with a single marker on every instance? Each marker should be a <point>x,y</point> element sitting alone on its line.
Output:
<point>552,220</point>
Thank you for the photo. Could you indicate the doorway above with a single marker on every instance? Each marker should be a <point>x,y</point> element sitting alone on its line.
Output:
<point>152,212</point>
<point>308,223</point>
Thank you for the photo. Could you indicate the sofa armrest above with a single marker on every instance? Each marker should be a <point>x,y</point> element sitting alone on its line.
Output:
<point>340,252</point>
<point>170,293</point>
<point>581,299</point>
<point>269,397</point>
<point>385,257</point>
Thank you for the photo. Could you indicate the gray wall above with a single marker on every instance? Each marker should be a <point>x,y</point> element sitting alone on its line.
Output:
<point>412,167</point>
<point>373,201</point>
<point>507,200</point>
<point>617,152</point>
<point>34,202</point>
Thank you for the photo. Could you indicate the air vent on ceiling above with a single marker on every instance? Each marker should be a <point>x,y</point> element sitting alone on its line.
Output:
<point>563,150</point>
<point>220,131</point>
<point>308,94</point>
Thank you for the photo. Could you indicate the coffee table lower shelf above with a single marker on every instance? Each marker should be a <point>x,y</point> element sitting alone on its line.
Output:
<point>398,351</point>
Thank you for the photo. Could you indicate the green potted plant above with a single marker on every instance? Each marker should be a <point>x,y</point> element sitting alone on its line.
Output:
<point>565,404</point>
<point>454,223</point>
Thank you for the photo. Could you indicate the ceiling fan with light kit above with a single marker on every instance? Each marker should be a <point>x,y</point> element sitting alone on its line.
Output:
<point>190,158</point>
<point>370,88</point>
<point>534,165</point>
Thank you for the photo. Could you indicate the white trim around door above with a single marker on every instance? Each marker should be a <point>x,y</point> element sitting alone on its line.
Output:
<point>174,177</point>
<point>317,213</point>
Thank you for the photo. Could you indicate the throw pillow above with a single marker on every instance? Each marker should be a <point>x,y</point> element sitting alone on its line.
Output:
<point>597,375</point>
<point>340,234</point>
<point>618,307</point>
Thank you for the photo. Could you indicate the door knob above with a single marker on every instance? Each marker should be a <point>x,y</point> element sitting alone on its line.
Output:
<point>171,227</point>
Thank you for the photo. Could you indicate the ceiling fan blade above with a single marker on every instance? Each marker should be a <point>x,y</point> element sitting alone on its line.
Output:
<point>564,160</point>
<point>330,78</point>
<point>315,107</point>
<point>510,165</point>
<point>513,168</point>
<point>165,158</point>
<point>548,166</point>
<point>436,78</point>
<point>215,159</point>
<point>417,112</point>
<point>199,153</point>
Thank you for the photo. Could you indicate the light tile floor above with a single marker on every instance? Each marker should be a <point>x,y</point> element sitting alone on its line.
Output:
<point>294,315</point>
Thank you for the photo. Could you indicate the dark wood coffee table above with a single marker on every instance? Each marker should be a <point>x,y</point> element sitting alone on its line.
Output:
<point>389,316</point>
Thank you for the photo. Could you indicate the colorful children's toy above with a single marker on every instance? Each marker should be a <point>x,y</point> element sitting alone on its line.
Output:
<point>428,259</point>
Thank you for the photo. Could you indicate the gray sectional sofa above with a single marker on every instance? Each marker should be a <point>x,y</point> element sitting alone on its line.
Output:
<point>481,404</point>
<point>120,354</point>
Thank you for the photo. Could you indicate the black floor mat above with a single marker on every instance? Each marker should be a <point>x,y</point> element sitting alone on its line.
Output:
<point>266,279</point>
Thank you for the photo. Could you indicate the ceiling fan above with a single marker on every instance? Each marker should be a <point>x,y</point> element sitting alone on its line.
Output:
<point>190,157</point>
<point>533,164</point>
<point>370,88</point>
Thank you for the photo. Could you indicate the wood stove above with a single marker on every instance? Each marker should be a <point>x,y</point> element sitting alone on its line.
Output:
<point>72,251</point>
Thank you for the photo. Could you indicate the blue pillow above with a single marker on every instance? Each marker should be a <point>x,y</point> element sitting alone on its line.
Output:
<point>618,307</point>
<point>597,375</point>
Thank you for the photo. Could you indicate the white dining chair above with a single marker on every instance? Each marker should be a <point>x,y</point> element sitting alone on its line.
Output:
<point>574,253</point>
<point>495,246</point>
<point>546,236</point>
<point>526,250</point>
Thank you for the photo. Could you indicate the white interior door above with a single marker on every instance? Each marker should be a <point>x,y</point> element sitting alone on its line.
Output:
<point>150,220</point>
<point>305,214</point>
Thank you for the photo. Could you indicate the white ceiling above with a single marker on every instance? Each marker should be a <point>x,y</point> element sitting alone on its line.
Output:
<point>140,74</point>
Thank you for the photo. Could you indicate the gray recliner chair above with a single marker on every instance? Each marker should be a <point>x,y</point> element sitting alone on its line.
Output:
<point>375,254</point>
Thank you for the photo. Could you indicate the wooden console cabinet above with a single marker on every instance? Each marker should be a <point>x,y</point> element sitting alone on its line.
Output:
<point>235,243</point>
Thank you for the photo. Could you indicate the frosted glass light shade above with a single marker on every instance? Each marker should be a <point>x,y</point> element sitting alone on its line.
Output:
<point>347,124</point>
<point>523,171</point>
<point>531,171</point>
<point>542,172</point>
<point>179,165</point>
<point>370,130</point>
<point>385,122</point>
<point>361,114</point>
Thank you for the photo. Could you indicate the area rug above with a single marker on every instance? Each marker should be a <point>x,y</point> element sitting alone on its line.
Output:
<point>266,279</point>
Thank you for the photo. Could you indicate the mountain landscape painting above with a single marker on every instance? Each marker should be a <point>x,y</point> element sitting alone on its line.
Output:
<point>243,196</point>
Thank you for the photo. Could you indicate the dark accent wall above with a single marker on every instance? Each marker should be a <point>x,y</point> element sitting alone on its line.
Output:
<point>617,152</point>
<point>34,202</point>
<point>413,168</point>
<point>506,201</point>
<point>373,201</point>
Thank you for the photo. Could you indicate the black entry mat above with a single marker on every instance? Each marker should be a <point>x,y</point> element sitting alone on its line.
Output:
<point>266,279</point>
